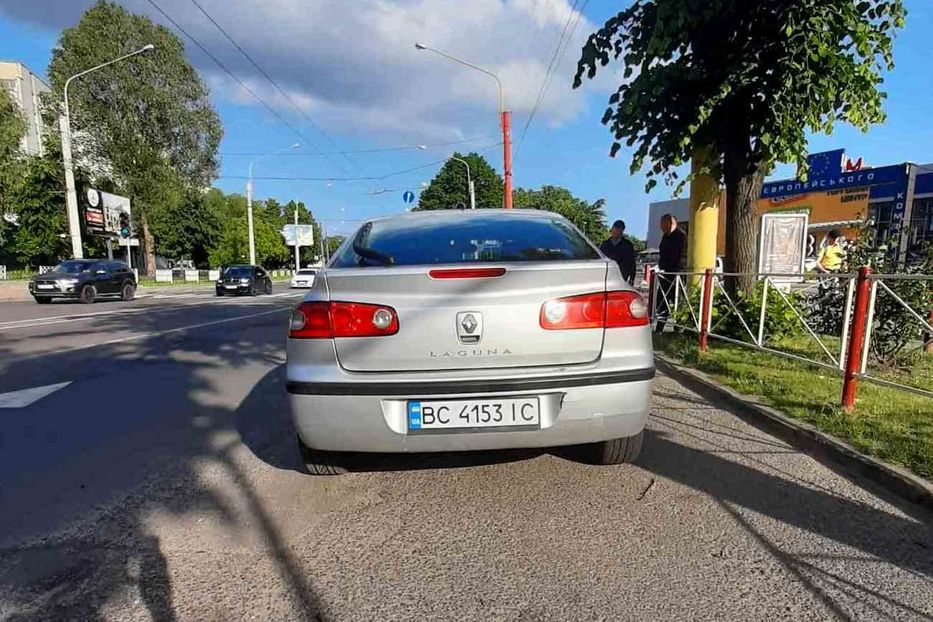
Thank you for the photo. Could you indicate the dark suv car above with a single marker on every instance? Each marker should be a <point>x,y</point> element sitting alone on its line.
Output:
<point>249,280</point>
<point>85,280</point>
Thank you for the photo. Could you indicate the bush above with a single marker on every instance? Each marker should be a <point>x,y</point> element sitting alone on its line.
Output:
<point>780,321</point>
<point>894,327</point>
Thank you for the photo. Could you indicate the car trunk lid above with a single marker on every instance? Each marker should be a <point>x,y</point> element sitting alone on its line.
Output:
<point>468,323</point>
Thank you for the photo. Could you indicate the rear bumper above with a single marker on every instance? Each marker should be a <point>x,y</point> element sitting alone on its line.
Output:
<point>372,416</point>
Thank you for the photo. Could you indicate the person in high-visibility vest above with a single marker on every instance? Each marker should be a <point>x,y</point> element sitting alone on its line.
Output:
<point>832,256</point>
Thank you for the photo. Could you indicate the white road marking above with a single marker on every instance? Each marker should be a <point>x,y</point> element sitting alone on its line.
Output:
<point>25,397</point>
<point>80,317</point>
<point>157,333</point>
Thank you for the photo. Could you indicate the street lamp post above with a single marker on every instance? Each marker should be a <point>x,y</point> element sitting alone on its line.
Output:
<point>505,119</point>
<point>470,188</point>
<point>64,124</point>
<point>249,200</point>
<point>469,181</point>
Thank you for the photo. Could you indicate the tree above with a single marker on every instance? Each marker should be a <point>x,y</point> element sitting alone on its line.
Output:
<point>588,217</point>
<point>448,189</point>
<point>742,82</point>
<point>137,118</point>
<point>188,228</point>
<point>233,244</point>
<point>37,239</point>
<point>12,128</point>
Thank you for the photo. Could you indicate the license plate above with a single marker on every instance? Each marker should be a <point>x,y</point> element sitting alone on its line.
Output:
<point>230,286</point>
<point>43,286</point>
<point>438,415</point>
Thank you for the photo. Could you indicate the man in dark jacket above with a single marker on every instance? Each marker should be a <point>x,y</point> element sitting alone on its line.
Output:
<point>671,253</point>
<point>620,250</point>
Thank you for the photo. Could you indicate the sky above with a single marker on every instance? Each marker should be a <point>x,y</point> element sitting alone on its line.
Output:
<point>349,79</point>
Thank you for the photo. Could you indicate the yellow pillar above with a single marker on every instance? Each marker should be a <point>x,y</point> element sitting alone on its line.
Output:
<point>704,216</point>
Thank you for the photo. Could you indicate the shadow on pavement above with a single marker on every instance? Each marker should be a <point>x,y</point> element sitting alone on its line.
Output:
<point>885,536</point>
<point>163,422</point>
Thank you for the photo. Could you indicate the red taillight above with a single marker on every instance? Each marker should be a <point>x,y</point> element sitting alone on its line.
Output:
<point>584,311</point>
<point>324,320</point>
<point>625,309</point>
<point>466,273</point>
<point>599,310</point>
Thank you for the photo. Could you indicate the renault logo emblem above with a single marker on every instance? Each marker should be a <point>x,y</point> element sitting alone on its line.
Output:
<point>469,326</point>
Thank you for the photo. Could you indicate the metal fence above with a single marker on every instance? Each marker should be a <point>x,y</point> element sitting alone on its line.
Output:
<point>687,300</point>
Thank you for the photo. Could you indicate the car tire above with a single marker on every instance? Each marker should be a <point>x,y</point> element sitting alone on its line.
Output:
<point>219,294</point>
<point>88,294</point>
<point>617,450</point>
<point>128,292</point>
<point>320,463</point>
<point>42,300</point>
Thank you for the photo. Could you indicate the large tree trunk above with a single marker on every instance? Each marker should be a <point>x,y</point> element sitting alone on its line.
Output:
<point>148,249</point>
<point>743,187</point>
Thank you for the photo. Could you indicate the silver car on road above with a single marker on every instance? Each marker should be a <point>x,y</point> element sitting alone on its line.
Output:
<point>469,330</point>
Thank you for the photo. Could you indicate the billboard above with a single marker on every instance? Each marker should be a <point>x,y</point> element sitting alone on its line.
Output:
<point>303,233</point>
<point>102,212</point>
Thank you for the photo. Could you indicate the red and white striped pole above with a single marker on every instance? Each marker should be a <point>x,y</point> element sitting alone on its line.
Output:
<point>856,338</point>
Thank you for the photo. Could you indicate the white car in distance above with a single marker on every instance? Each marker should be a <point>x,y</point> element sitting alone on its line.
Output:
<point>303,279</point>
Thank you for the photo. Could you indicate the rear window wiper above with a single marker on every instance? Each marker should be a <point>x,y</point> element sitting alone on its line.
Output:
<point>368,253</point>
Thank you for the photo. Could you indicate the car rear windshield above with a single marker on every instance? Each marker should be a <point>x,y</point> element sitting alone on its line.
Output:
<point>475,239</point>
<point>306,272</point>
<point>238,272</point>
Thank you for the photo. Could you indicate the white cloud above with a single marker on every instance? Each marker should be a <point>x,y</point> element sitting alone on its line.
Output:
<point>352,64</point>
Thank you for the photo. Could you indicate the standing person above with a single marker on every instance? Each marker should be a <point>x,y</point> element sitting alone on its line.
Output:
<point>671,259</point>
<point>620,250</point>
<point>832,255</point>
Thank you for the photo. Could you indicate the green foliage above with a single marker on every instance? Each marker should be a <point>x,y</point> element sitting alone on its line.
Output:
<point>147,120</point>
<point>38,201</point>
<point>448,189</point>
<point>639,245</point>
<point>12,127</point>
<point>233,244</point>
<point>136,112</point>
<point>588,217</point>
<point>735,86</point>
<point>780,320</point>
<point>333,243</point>
<point>799,66</point>
<point>188,229</point>
<point>894,328</point>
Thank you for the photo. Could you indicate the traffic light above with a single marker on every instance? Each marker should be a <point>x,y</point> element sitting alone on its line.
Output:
<point>125,225</point>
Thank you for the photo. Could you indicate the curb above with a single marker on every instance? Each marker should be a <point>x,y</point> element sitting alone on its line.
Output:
<point>802,435</point>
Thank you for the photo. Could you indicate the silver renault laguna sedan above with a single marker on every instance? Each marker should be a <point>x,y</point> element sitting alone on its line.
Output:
<point>469,330</point>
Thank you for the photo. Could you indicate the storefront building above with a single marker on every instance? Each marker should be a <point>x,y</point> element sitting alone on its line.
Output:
<point>895,201</point>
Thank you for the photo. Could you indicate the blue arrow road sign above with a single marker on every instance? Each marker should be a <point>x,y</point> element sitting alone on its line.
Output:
<point>408,196</point>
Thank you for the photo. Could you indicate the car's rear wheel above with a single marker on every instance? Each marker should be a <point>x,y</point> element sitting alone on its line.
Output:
<point>88,294</point>
<point>43,300</point>
<point>319,462</point>
<point>128,292</point>
<point>615,451</point>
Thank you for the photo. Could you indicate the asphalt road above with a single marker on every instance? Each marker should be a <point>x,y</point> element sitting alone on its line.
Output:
<point>158,480</point>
